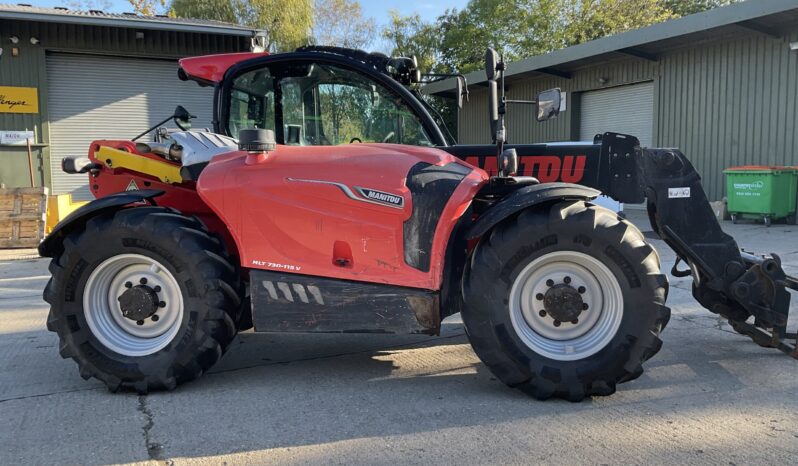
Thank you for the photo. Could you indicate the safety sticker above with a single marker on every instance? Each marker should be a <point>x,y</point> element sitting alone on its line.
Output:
<point>678,193</point>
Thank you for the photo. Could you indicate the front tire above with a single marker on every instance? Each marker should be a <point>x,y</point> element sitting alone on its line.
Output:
<point>566,302</point>
<point>143,298</point>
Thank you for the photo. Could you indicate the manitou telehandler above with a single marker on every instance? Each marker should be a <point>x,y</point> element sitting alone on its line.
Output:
<point>330,198</point>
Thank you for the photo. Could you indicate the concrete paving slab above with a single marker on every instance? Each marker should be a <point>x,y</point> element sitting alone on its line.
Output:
<point>710,396</point>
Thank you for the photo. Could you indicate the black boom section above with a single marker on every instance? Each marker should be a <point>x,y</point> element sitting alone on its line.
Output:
<point>727,282</point>
<point>431,187</point>
<point>283,302</point>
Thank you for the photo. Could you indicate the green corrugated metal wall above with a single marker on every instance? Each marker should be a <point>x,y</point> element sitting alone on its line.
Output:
<point>28,70</point>
<point>730,101</point>
<point>521,124</point>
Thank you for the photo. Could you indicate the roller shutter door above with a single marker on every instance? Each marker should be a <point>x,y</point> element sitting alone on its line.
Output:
<point>622,109</point>
<point>98,97</point>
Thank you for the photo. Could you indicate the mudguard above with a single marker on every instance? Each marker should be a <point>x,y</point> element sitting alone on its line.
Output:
<point>52,243</point>
<point>525,198</point>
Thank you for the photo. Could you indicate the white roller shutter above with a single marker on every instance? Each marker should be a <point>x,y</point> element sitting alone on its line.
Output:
<point>623,109</point>
<point>98,97</point>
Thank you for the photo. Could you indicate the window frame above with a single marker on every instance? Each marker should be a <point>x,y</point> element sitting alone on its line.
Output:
<point>222,98</point>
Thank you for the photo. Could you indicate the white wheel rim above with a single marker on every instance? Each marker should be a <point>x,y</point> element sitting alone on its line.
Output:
<point>595,326</point>
<point>104,314</point>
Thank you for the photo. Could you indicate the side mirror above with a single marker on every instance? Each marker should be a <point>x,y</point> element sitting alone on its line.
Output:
<point>182,118</point>
<point>491,63</point>
<point>548,104</point>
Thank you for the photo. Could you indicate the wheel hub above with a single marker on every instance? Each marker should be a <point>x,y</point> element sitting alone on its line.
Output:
<point>138,303</point>
<point>563,303</point>
<point>133,304</point>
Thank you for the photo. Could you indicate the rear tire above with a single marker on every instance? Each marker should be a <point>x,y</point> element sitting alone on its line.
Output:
<point>579,248</point>
<point>191,295</point>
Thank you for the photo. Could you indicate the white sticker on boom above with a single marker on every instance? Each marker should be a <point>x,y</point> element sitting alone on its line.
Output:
<point>677,193</point>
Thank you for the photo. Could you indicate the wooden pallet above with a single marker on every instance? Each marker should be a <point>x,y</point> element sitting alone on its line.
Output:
<point>22,217</point>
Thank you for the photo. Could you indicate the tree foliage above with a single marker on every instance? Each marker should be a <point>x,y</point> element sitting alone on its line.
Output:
<point>341,23</point>
<point>287,22</point>
<point>410,35</point>
<point>148,7</point>
<point>456,41</point>
<point>586,20</point>
<point>688,7</point>
<point>217,10</point>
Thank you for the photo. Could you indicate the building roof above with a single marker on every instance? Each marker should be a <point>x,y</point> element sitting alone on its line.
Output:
<point>26,12</point>
<point>770,17</point>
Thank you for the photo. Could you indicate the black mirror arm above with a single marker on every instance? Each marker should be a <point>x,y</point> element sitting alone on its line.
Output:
<point>152,128</point>
<point>186,115</point>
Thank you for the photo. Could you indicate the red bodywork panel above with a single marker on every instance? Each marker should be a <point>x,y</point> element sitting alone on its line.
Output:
<point>211,68</point>
<point>298,210</point>
<point>182,196</point>
<point>289,210</point>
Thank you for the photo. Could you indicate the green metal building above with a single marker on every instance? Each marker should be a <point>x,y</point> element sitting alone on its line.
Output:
<point>721,85</point>
<point>71,77</point>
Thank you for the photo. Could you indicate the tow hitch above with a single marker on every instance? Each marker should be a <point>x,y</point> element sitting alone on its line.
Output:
<point>770,331</point>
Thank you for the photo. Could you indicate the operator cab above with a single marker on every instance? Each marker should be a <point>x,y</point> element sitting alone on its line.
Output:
<point>316,102</point>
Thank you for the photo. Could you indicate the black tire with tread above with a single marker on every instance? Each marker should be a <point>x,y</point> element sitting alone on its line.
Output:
<point>210,285</point>
<point>576,226</point>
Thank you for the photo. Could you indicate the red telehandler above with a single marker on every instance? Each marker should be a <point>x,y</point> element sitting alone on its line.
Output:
<point>330,198</point>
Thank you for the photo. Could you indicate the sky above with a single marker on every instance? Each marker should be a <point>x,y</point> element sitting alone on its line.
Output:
<point>377,9</point>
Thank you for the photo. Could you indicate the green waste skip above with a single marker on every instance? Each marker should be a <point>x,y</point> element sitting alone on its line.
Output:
<point>761,192</point>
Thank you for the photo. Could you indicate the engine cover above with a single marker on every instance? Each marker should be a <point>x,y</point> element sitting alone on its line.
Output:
<point>202,146</point>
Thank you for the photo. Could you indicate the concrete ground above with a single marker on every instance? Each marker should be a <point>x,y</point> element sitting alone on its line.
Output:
<point>710,396</point>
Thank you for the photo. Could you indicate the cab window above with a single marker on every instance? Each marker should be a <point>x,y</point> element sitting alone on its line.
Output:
<point>322,104</point>
<point>252,102</point>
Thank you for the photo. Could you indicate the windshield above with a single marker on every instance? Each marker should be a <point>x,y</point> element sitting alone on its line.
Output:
<point>321,104</point>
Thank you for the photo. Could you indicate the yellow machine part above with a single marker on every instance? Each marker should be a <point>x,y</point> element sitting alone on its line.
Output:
<point>58,207</point>
<point>164,171</point>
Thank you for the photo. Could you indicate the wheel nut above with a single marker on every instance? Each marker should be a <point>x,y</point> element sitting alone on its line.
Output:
<point>539,296</point>
<point>143,281</point>
<point>161,303</point>
<point>575,321</point>
<point>581,289</point>
<point>155,318</point>
<point>557,323</point>
<point>567,279</point>
<point>157,289</point>
<point>550,282</point>
<point>139,322</point>
<point>128,285</point>
<point>585,306</point>
<point>542,313</point>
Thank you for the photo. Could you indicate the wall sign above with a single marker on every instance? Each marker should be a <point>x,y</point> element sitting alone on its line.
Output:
<point>16,138</point>
<point>19,99</point>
